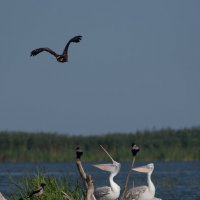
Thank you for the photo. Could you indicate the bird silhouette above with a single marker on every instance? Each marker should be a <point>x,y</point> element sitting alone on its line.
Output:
<point>79,152</point>
<point>60,57</point>
<point>134,149</point>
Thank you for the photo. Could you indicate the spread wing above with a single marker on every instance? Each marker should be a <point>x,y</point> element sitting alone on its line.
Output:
<point>101,192</point>
<point>39,50</point>
<point>135,192</point>
<point>75,39</point>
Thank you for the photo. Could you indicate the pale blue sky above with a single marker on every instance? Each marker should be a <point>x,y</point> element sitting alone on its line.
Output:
<point>137,66</point>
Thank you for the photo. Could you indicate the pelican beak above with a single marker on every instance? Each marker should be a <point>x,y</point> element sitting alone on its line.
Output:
<point>108,154</point>
<point>143,169</point>
<point>105,167</point>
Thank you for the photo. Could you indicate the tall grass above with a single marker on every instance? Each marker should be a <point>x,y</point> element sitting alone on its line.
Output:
<point>52,191</point>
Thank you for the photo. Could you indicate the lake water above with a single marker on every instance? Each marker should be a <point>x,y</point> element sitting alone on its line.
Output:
<point>173,180</point>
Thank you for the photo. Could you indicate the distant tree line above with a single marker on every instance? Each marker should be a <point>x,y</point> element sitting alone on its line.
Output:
<point>161,145</point>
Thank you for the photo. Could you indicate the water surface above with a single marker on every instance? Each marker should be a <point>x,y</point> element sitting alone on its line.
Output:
<point>173,180</point>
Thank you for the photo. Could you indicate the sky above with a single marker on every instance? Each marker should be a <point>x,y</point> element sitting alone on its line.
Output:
<point>137,66</point>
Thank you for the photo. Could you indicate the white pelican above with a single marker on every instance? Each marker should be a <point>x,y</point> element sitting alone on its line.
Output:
<point>143,192</point>
<point>106,192</point>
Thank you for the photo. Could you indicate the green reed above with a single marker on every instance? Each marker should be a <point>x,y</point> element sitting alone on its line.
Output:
<point>162,145</point>
<point>52,191</point>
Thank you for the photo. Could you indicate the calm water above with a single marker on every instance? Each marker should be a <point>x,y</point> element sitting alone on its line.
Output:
<point>173,180</point>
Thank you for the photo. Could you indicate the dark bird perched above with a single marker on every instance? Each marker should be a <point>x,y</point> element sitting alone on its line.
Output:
<point>87,179</point>
<point>60,58</point>
<point>79,152</point>
<point>38,192</point>
<point>135,149</point>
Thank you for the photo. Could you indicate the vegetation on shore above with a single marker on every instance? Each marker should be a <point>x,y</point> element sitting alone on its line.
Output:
<point>53,190</point>
<point>162,145</point>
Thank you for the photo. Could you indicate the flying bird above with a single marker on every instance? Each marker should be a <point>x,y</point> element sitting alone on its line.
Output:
<point>38,192</point>
<point>60,58</point>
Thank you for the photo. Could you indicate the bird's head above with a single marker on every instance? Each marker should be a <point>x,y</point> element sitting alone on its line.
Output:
<point>113,168</point>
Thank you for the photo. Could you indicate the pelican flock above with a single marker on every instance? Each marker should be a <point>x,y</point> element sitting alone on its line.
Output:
<point>143,192</point>
<point>111,192</point>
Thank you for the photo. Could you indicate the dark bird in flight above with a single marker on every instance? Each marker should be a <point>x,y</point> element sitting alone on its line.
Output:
<point>37,192</point>
<point>60,58</point>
